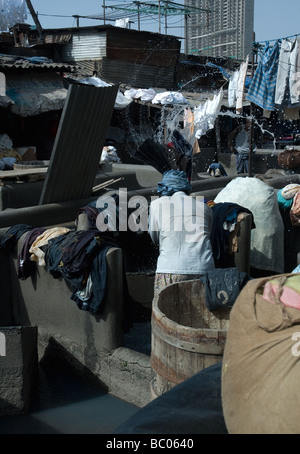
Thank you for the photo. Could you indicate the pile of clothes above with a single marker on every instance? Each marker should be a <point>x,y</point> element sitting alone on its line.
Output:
<point>77,256</point>
<point>289,199</point>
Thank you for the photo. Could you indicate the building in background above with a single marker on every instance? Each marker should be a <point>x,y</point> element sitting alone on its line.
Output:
<point>221,28</point>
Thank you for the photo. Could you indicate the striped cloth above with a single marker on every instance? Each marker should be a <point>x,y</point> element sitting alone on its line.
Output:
<point>263,86</point>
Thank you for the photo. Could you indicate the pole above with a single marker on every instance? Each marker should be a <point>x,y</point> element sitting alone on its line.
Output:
<point>103,7</point>
<point>139,17</point>
<point>252,120</point>
<point>166,17</point>
<point>35,18</point>
<point>159,30</point>
<point>186,33</point>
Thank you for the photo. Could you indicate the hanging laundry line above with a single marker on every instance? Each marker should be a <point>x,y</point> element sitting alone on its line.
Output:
<point>276,39</point>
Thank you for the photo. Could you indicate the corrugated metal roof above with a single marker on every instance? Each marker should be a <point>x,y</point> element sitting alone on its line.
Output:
<point>12,62</point>
<point>78,145</point>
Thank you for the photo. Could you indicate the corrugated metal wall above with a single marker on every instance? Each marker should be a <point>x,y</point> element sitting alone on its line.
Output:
<point>138,75</point>
<point>84,46</point>
<point>78,146</point>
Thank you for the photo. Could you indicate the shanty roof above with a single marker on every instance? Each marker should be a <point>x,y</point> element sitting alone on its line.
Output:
<point>17,62</point>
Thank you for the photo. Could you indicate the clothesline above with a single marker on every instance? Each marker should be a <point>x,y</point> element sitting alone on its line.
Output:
<point>276,39</point>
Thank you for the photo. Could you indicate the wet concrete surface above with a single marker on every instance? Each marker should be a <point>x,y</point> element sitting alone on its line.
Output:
<point>63,403</point>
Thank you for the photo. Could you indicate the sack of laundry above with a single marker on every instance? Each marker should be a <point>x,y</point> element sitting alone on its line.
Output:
<point>261,366</point>
<point>289,158</point>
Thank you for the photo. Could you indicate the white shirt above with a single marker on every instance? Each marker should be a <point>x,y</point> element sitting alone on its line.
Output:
<point>181,225</point>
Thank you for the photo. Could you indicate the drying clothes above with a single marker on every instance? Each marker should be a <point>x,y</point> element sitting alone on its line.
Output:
<point>205,115</point>
<point>169,97</point>
<point>74,256</point>
<point>287,92</point>
<point>222,287</point>
<point>37,253</point>
<point>82,296</point>
<point>223,214</point>
<point>92,213</point>
<point>241,85</point>
<point>27,267</point>
<point>97,282</point>
<point>232,89</point>
<point>143,94</point>
<point>263,85</point>
<point>10,238</point>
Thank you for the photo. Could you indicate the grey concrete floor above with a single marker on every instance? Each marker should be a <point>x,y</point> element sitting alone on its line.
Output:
<point>65,404</point>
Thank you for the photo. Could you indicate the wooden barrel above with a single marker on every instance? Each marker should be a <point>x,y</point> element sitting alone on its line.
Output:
<point>186,336</point>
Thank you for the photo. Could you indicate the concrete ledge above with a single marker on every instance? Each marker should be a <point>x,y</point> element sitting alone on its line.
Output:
<point>18,369</point>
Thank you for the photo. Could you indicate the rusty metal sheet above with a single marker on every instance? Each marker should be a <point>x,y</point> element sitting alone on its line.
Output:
<point>78,145</point>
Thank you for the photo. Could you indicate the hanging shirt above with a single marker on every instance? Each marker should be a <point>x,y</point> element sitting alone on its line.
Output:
<point>241,85</point>
<point>263,85</point>
<point>284,92</point>
<point>205,115</point>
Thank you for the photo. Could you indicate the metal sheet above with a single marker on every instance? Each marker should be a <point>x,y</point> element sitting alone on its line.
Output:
<point>78,145</point>
<point>84,46</point>
<point>138,75</point>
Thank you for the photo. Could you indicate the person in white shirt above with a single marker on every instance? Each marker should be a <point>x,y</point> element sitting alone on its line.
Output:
<point>180,224</point>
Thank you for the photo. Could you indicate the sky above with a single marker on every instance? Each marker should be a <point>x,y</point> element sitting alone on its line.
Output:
<point>273,19</point>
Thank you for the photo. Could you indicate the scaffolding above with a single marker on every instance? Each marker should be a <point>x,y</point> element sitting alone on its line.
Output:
<point>138,10</point>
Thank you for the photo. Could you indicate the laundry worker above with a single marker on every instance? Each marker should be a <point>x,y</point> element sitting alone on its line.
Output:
<point>239,144</point>
<point>181,225</point>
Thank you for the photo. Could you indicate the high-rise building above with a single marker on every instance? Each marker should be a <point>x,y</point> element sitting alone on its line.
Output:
<point>220,28</point>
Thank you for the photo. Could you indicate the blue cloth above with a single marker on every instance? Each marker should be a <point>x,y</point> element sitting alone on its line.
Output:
<point>173,181</point>
<point>263,85</point>
<point>284,203</point>
<point>227,75</point>
<point>7,163</point>
<point>222,287</point>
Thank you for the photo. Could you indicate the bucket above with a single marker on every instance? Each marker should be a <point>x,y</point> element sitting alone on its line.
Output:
<point>186,336</point>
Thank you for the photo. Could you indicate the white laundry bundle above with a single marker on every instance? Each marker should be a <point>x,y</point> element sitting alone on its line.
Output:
<point>169,97</point>
<point>12,12</point>
<point>121,102</point>
<point>144,94</point>
<point>205,115</point>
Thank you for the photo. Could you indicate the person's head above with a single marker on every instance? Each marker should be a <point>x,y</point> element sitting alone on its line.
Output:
<point>173,181</point>
<point>247,123</point>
